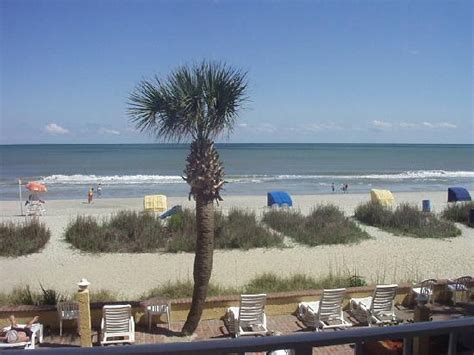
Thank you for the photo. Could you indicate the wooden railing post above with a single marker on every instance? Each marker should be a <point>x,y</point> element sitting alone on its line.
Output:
<point>83,299</point>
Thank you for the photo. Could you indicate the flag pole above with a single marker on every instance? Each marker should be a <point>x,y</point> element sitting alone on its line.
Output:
<point>21,200</point>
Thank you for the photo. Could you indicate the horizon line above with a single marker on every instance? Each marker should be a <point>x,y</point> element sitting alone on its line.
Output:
<point>241,143</point>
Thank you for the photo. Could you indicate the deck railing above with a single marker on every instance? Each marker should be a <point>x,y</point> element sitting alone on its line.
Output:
<point>302,343</point>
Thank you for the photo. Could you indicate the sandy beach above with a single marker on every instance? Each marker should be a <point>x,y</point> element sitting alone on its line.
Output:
<point>385,258</point>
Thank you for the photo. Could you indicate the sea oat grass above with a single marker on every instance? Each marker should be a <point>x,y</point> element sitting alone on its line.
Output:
<point>326,224</point>
<point>459,212</point>
<point>238,230</point>
<point>405,220</point>
<point>133,232</point>
<point>123,232</point>
<point>22,238</point>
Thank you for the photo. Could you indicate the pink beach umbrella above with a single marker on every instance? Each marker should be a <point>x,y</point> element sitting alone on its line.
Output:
<point>36,186</point>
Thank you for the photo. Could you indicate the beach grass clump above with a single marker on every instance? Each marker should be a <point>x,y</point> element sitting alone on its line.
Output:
<point>184,289</point>
<point>101,296</point>
<point>269,282</point>
<point>263,283</point>
<point>25,296</point>
<point>459,212</point>
<point>326,224</point>
<point>406,220</point>
<point>123,232</point>
<point>238,230</point>
<point>22,238</point>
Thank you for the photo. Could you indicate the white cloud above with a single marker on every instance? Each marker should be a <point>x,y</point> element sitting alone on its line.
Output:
<point>382,125</point>
<point>55,129</point>
<point>316,127</point>
<point>436,125</point>
<point>104,130</point>
<point>259,127</point>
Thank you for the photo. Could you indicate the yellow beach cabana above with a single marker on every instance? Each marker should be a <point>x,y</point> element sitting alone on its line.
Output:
<point>155,203</point>
<point>384,197</point>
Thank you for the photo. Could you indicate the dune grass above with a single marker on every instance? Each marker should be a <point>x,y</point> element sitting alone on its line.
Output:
<point>123,232</point>
<point>22,238</point>
<point>459,212</point>
<point>238,230</point>
<point>326,224</point>
<point>134,232</point>
<point>405,220</point>
<point>263,283</point>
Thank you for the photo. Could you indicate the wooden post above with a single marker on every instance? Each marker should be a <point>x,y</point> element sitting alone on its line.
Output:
<point>83,298</point>
<point>421,345</point>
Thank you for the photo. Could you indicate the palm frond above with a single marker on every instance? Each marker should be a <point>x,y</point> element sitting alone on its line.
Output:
<point>199,102</point>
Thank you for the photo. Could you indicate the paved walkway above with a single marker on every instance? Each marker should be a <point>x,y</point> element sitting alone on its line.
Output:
<point>207,330</point>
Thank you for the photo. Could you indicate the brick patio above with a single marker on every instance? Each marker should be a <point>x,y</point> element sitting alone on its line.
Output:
<point>281,324</point>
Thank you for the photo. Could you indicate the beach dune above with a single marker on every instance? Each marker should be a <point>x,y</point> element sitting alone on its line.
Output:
<point>384,258</point>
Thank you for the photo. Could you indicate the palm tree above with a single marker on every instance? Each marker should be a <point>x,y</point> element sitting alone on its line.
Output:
<point>198,104</point>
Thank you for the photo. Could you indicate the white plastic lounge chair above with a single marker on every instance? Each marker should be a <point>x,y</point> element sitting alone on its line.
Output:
<point>377,309</point>
<point>35,208</point>
<point>158,309</point>
<point>424,289</point>
<point>117,322</point>
<point>249,318</point>
<point>36,338</point>
<point>67,311</point>
<point>460,287</point>
<point>324,314</point>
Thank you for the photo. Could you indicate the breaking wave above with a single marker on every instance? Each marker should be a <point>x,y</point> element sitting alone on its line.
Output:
<point>77,179</point>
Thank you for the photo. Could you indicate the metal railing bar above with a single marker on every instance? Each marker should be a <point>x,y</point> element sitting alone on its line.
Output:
<point>452,347</point>
<point>407,346</point>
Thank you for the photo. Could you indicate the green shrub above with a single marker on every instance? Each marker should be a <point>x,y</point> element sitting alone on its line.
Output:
<point>324,225</point>
<point>126,231</point>
<point>50,296</point>
<point>269,282</point>
<point>184,289</point>
<point>459,212</point>
<point>101,296</point>
<point>406,220</point>
<point>22,238</point>
<point>238,230</point>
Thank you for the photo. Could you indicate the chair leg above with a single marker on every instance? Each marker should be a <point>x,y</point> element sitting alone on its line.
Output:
<point>60,327</point>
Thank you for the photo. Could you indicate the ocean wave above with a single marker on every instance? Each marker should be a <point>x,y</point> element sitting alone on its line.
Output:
<point>426,175</point>
<point>113,179</point>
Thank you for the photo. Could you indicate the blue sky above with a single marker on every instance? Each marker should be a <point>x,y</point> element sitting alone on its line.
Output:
<point>319,71</point>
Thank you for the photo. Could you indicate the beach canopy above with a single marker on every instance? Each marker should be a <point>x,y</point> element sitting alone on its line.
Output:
<point>384,197</point>
<point>155,203</point>
<point>172,211</point>
<point>458,194</point>
<point>279,198</point>
<point>36,186</point>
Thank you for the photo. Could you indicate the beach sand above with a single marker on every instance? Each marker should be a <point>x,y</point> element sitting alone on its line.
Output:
<point>385,258</point>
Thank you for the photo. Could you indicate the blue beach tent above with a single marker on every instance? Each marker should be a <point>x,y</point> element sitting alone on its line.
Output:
<point>458,194</point>
<point>172,211</point>
<point>278,198</point>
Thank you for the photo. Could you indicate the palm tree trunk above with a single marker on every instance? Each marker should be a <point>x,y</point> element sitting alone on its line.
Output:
<point>202,261</point>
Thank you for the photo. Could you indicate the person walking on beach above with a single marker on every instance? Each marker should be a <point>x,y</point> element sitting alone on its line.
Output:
<point>99,190</point>
<point>90,195</point>
<point>333,187</point>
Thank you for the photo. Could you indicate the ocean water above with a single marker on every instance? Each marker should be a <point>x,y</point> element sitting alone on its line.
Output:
<point>133,170</point>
